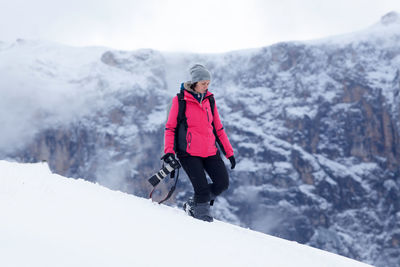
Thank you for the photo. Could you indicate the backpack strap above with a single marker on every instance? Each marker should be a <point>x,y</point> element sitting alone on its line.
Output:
<point>181,120</point>
<point>211,99</point>
<point>182,108</point>
<point>212,106</point>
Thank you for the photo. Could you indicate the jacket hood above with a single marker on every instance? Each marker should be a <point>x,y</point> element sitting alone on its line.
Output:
<point>186,86</point>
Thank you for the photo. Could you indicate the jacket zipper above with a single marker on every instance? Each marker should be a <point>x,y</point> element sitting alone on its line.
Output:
<point>189,139</point>
<point>201,100</point>
<point>208,118</point>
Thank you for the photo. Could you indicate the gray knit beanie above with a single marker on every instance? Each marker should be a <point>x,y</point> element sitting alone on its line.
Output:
<point>199,73</point>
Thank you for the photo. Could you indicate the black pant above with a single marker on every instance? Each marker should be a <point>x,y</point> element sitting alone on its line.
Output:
<point>215,167</point>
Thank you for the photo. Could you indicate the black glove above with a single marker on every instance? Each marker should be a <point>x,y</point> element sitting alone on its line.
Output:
<point>233,161</point>
<point>167,155</point>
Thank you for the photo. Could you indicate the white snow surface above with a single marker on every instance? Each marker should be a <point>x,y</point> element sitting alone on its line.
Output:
<point>50,220</point>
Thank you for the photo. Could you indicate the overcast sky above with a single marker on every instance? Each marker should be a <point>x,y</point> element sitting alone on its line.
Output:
<point>185,25</point>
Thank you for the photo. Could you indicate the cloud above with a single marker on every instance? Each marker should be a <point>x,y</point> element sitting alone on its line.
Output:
<point>201,26</point>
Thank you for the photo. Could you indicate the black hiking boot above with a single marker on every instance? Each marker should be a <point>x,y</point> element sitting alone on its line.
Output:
<point>199,211</point>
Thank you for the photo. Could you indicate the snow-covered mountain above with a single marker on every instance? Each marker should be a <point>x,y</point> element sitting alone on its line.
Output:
<point>315,127</point>
<point>49,220</point>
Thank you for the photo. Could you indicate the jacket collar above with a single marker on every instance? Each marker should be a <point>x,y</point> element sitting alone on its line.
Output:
<point>186,87</point>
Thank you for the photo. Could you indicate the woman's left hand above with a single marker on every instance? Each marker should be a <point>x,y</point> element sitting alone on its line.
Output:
<point>233,161</point>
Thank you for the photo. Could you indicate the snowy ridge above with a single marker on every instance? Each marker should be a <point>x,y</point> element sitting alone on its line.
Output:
<point>385,33</point>
<point>49,220</point>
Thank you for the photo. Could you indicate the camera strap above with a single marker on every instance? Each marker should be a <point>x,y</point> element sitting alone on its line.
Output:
<point>171,191</point>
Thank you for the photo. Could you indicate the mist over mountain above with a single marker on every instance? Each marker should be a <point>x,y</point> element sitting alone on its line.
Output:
<point>314,125</point>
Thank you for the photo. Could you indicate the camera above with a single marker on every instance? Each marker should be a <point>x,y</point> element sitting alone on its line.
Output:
<point>171,163</point>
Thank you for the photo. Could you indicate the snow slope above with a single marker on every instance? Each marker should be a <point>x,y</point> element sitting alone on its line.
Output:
<point>50,220</point>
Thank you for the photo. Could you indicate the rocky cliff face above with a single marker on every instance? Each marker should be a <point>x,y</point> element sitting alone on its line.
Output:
<point>315,127</point>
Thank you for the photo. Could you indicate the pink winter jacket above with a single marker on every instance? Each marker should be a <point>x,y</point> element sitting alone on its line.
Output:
<point>200,138</point>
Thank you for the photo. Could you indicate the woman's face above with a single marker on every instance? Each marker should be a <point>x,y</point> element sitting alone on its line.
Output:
<point>202,86</point>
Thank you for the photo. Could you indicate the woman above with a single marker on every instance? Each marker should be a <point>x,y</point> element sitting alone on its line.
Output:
<point>196,145</point>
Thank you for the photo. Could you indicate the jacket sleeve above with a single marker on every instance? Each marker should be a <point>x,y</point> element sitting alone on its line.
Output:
<point>221,133</point>
<point>170,126</point>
